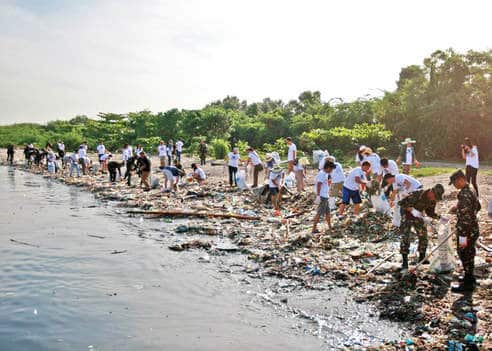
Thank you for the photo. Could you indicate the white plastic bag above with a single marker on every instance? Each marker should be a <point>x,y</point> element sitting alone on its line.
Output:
<point>290,180</point>
<point>396,216</point>
<point>442,260</point>
<point>241,180</point>
<point>380,204</point>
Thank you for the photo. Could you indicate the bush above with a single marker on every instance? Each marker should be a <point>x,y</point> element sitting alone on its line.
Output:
<point>149,144</point>
<point>220,148</point>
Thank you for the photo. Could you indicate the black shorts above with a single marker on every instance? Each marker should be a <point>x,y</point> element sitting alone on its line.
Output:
<point>273,191</point>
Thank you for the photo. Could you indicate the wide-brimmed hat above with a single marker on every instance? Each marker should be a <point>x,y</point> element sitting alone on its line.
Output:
<point>268,157</point>
<point>277,169</point>
<point>408,141</point>
<point>362,148</point>
<point>367,150</point>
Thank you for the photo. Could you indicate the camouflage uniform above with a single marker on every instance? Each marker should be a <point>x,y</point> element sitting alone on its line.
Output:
<point>467,226</point>
<point>202,150</point>
<point>420,201</point>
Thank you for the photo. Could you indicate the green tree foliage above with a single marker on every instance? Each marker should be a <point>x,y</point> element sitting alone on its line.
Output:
<point>438,103</point>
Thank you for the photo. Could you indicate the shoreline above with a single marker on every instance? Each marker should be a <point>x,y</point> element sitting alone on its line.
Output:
<point>285,248</point>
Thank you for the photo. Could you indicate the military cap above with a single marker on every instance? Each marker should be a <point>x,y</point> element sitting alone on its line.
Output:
<point>458,174</point>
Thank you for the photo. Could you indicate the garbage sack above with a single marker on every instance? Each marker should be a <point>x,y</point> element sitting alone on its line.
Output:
<point>380,204</point>
<point>290,180</point>
<point>396,216</point>
<point>154,184</point>
<point>332,202</point>
<point>241,180</point>
<point>442,260</point>
<point>276,157</point>
<point>319,155</point>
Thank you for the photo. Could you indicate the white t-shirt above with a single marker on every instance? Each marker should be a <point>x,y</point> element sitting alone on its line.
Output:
<point>472,160</point>
<point>392,168</point>
<point>101,149</point>
<point>277,176</point>
<point>169,150</point>
<point>126,154</point>
<point>179,146</point>
<point>255,159</point>
<point>337,174</point>
<point>200,173</point>
<point>82,153</point>
<point>322,178</point>
<point>138,151</point>
<point>104,157</point>
<point>408,156</point>
<point>400,183</point>
<point>61,147</point>
<point>350,180</point>
<point>233,159</point>
<point>375,162</point>
<point>292,151</point>
<point>298,167</point>
<point>162,150</point>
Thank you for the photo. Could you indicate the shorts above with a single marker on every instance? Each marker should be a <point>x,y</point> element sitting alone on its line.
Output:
<point>353,195</point>
<point>168,174</point>
<point>336,189</point>
<point>273,191</point>
<point>323,207</point>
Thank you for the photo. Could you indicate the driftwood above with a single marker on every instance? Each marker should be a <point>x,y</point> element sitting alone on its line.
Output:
<point>184,213</point>
<point>23,243</point>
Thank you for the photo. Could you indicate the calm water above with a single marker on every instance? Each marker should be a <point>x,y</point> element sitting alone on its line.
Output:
<point>66,291</point>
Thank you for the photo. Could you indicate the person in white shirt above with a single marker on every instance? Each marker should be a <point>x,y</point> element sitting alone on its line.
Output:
<point>255,160</point>
<point>407,155</point>
<point>82,154</point>
<point>233,164</point>
<point>359,156</point>
<point>170,152</point>
<point>403,185</point>
<point>162,153</point>
<point>337,180</point>
<point>126,153</point>
<point>61,149</point>
<point>138,150</point>
<point>104,161</point>
<point>291,153</point>
<point>300,173</point>
<point>322,191</point>
<point>101,150</point>
<point>469,152</point>
<point>374,160</point>
<point>351,187</point>
<point>179,150</point>
<point>198,173</point>
<point>388,167</point>
<point>275,180</point>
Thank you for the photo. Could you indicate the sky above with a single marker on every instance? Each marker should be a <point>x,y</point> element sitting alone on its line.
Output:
<point>62,58</point>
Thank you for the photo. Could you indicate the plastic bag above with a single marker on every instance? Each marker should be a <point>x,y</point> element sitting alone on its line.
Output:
<point>154,184</point>
<point>318,156</point>
<point>290,180</point>
<point>380,204</point>
<point>442,260</point>
<point>396,216</point>
<point>241,180</point>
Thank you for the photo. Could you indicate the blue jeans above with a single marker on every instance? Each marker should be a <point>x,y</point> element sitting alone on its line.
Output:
<point>76,166</point>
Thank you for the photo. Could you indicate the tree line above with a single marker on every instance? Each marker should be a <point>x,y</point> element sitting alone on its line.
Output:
<point>438,103</point>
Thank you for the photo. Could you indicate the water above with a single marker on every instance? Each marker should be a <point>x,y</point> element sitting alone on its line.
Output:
<point>63,289</point>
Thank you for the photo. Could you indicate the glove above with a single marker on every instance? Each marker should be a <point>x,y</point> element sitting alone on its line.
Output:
<point>427,220</point>
<point>444,220</point>
<point>318,200</point>
<point>416,213</point>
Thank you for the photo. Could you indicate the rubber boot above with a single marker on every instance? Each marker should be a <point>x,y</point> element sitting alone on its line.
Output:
<point>422,258</point>
<point>467,285</point>
<point>404,263</point>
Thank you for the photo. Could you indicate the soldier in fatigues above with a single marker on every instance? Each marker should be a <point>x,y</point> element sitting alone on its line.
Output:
<point>412,214</point>
<point>466,229</point>
<point>202,150</point>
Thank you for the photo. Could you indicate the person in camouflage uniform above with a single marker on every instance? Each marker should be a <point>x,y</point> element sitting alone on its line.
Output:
<point>202,150</point>
<point>412,209</point>
<point>467,229</point>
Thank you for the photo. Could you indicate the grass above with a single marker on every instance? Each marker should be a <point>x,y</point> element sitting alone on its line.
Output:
<point>485,172</point>
<point>430,171</point>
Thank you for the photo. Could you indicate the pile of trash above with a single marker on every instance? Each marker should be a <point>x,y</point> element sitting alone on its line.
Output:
<point>361,253</point>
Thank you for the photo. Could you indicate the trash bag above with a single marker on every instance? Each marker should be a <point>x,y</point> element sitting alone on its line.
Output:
<point>154,183</point>
<point>241,180</point>
<point>396,216</point>
<point>319,155</point>
<point>442,260</point>
<point>380,204</point>
<point>290,180</point>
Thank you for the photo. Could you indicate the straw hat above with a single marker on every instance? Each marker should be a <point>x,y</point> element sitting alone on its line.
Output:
<point>268,157</point>
<point>408,141</point>
<point>277,169</point>
<point>367,151</point>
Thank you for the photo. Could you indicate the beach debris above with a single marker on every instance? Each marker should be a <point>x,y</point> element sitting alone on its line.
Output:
<point>116,252</point>
<point>24,243</point>
<point>191,244</point>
